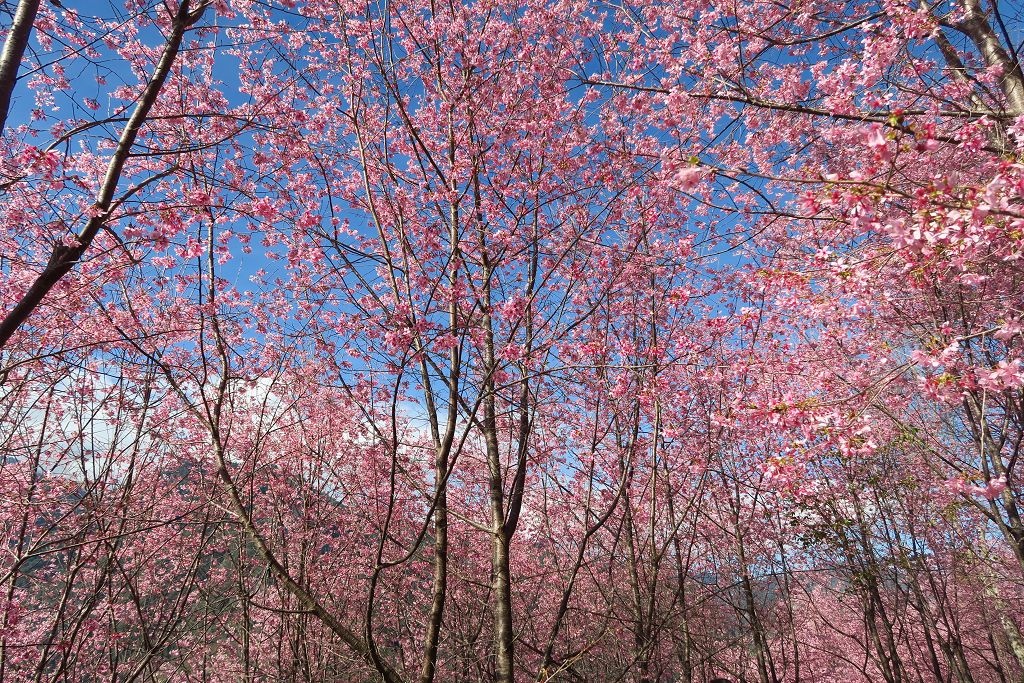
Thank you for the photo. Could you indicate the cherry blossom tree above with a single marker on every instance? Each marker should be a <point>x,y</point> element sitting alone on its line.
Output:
<point>511,340</point>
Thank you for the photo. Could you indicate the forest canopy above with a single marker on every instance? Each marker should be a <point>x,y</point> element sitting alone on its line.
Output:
<point>496,340</point>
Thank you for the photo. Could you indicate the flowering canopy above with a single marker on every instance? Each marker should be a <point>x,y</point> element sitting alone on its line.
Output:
<point>511,339</point>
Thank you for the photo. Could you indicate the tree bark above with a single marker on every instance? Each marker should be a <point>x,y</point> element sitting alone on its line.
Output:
<point>14,50</point>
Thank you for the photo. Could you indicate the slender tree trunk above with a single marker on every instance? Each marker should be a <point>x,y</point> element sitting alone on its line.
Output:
<point>442,454</point>
<point>14,50</point>
<point>640,632</point>
<point>1014,640</point>
<point>501,583</point>
<point>440,587</point>
<point>765,662</point>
